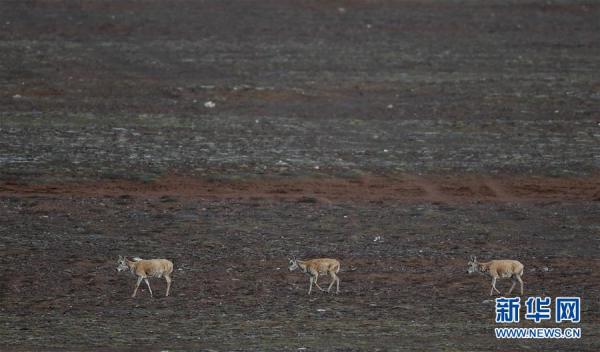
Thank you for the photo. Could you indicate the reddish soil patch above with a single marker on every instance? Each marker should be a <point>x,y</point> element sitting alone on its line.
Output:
<point>472,188</point>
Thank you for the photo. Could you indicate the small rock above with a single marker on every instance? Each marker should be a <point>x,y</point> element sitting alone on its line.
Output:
<point>209,104</point>
<point>17,96</point>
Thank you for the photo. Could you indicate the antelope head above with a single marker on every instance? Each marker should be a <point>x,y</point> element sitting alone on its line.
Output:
<point>122,264</point>
<point>293,264</point>
<point>472,266</point>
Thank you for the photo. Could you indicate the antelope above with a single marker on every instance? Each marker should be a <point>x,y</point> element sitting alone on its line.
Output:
<point>314,267</point>
<point>147,268</point>
<point>498,269</point>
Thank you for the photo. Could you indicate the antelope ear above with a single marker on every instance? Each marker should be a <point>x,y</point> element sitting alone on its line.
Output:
<point>472,258</point>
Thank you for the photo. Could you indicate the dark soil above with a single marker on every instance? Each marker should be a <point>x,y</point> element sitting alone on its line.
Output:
<point>400,137</point>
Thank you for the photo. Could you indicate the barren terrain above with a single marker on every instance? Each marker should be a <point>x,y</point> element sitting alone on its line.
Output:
<point>398,136</point>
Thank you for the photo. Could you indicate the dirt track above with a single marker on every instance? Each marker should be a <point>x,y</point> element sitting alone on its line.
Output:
<point>399,137</point>
<point>465,188</point>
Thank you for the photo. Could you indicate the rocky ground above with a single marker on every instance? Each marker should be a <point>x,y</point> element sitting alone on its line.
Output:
<point>399,137</point>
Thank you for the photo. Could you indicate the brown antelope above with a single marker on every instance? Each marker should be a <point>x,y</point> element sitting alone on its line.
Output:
<point>147,268</point>
<point>498,269</point>
<point>314,267</point>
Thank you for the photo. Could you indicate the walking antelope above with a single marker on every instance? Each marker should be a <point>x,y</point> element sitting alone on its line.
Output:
<point>315,267</point>
<point>147,268</point>
<point>498,269</point>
